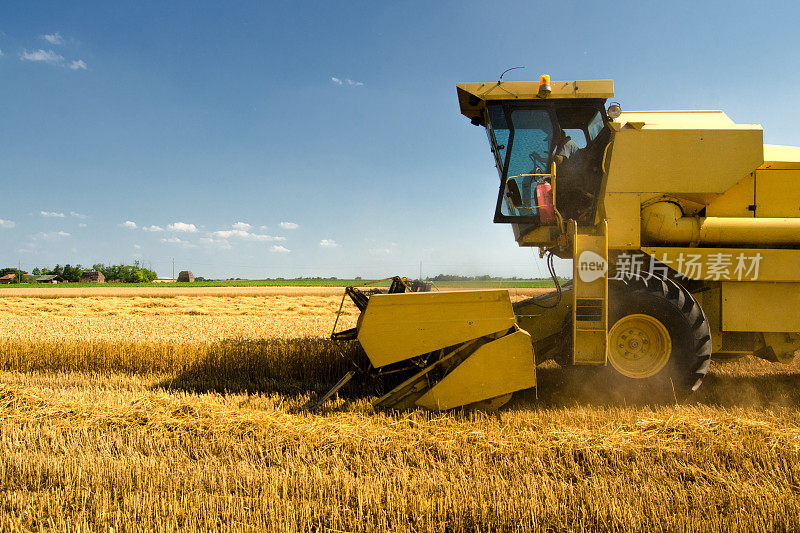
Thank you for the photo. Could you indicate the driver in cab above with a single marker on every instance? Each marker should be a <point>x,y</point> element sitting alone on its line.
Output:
<point>565,148</point>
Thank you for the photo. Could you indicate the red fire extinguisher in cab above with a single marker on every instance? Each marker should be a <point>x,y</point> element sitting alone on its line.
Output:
<point>544,200</point>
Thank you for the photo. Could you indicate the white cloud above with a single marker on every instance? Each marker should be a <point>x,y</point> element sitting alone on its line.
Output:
<point>228,233</point>
<point>129,224</point>
<point>279,239</point>
<point>153,228</point>
<point>78,215</point>
<point>1,53</point>
<point>328,243</point>
<point>242,225</point>
<point>279,249</point>
<point>182,227</point>
<point>380,251</point>
<point>52,214</point>
<point>384,251</point>
<point>222,244</point>
<point>346,81</point>
<point>42,56</point>
<point>288,225</point>
<point>42,236</point>
<point>263,228</point>
<point>54,38</point>
<point>176,240</point>
<point>7,224</point>
<point>78,65</point>
<point>242,234</point>
<point>137,247</point>
<point>82,225</point>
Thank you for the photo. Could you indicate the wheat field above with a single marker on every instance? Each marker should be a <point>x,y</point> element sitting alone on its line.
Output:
<point>186,411</point>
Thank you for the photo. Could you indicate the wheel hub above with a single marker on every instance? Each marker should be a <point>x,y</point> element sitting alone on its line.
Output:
<point>639,346</point>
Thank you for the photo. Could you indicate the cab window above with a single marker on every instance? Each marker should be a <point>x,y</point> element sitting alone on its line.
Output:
<point>532,142</point>
<point>595,125</point>
<point>577,135</point>
<point>498,133</point>
<point>533,139</point>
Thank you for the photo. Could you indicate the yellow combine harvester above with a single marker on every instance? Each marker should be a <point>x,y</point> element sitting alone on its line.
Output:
<point>684,233</point>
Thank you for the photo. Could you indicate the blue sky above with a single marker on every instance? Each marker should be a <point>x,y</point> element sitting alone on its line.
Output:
<point>324,138</point>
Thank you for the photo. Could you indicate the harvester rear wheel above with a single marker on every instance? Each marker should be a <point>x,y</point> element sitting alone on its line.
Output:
<point>639,346</point>
<point>658,333</point>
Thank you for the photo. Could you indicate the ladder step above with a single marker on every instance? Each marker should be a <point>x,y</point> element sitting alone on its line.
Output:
<point>588,309</point>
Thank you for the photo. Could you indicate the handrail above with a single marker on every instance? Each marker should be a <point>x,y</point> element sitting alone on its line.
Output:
<point>559,218</point>
<point>603,161</point>
<point>540,175</point>
<point>528,176</point>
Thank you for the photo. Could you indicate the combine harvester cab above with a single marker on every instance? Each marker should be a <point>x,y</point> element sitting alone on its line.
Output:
<point>450,349</point>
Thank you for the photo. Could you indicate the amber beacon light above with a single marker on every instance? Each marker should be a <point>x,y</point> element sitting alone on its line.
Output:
<point>544,86</point>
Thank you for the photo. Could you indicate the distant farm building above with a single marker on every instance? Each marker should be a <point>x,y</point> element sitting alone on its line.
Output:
<point>186,276</point>
<point>93,276</point>
<point>8,278</point>
<point>49,278</point>
<point>163,280</point>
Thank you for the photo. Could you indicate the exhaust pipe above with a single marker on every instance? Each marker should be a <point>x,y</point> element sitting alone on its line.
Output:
<point>665,223</point>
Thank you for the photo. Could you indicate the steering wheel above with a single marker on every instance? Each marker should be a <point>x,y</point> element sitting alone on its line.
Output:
<point>538,164</point>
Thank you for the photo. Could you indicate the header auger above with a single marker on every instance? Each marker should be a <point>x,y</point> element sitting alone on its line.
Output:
<point>684,233</point>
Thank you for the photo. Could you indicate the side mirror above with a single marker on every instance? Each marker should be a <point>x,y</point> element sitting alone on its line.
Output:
<point>513,193</point>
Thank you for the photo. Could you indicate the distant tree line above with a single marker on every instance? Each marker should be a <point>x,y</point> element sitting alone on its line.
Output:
<point>135,273</point>
<point>307,277</point>
<point>68,272</point>
<point>126,273</point>
<point>485,277</point>
<point>17,273</point>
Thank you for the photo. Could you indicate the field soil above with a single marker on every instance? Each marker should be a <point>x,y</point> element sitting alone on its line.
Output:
<point>140,411</point>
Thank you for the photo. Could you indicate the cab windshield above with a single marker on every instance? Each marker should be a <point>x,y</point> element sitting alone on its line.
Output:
<point>523,143</point>
<point>531,144</point>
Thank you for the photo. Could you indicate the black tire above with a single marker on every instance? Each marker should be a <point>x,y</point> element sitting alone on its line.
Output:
<point>678,311</point>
